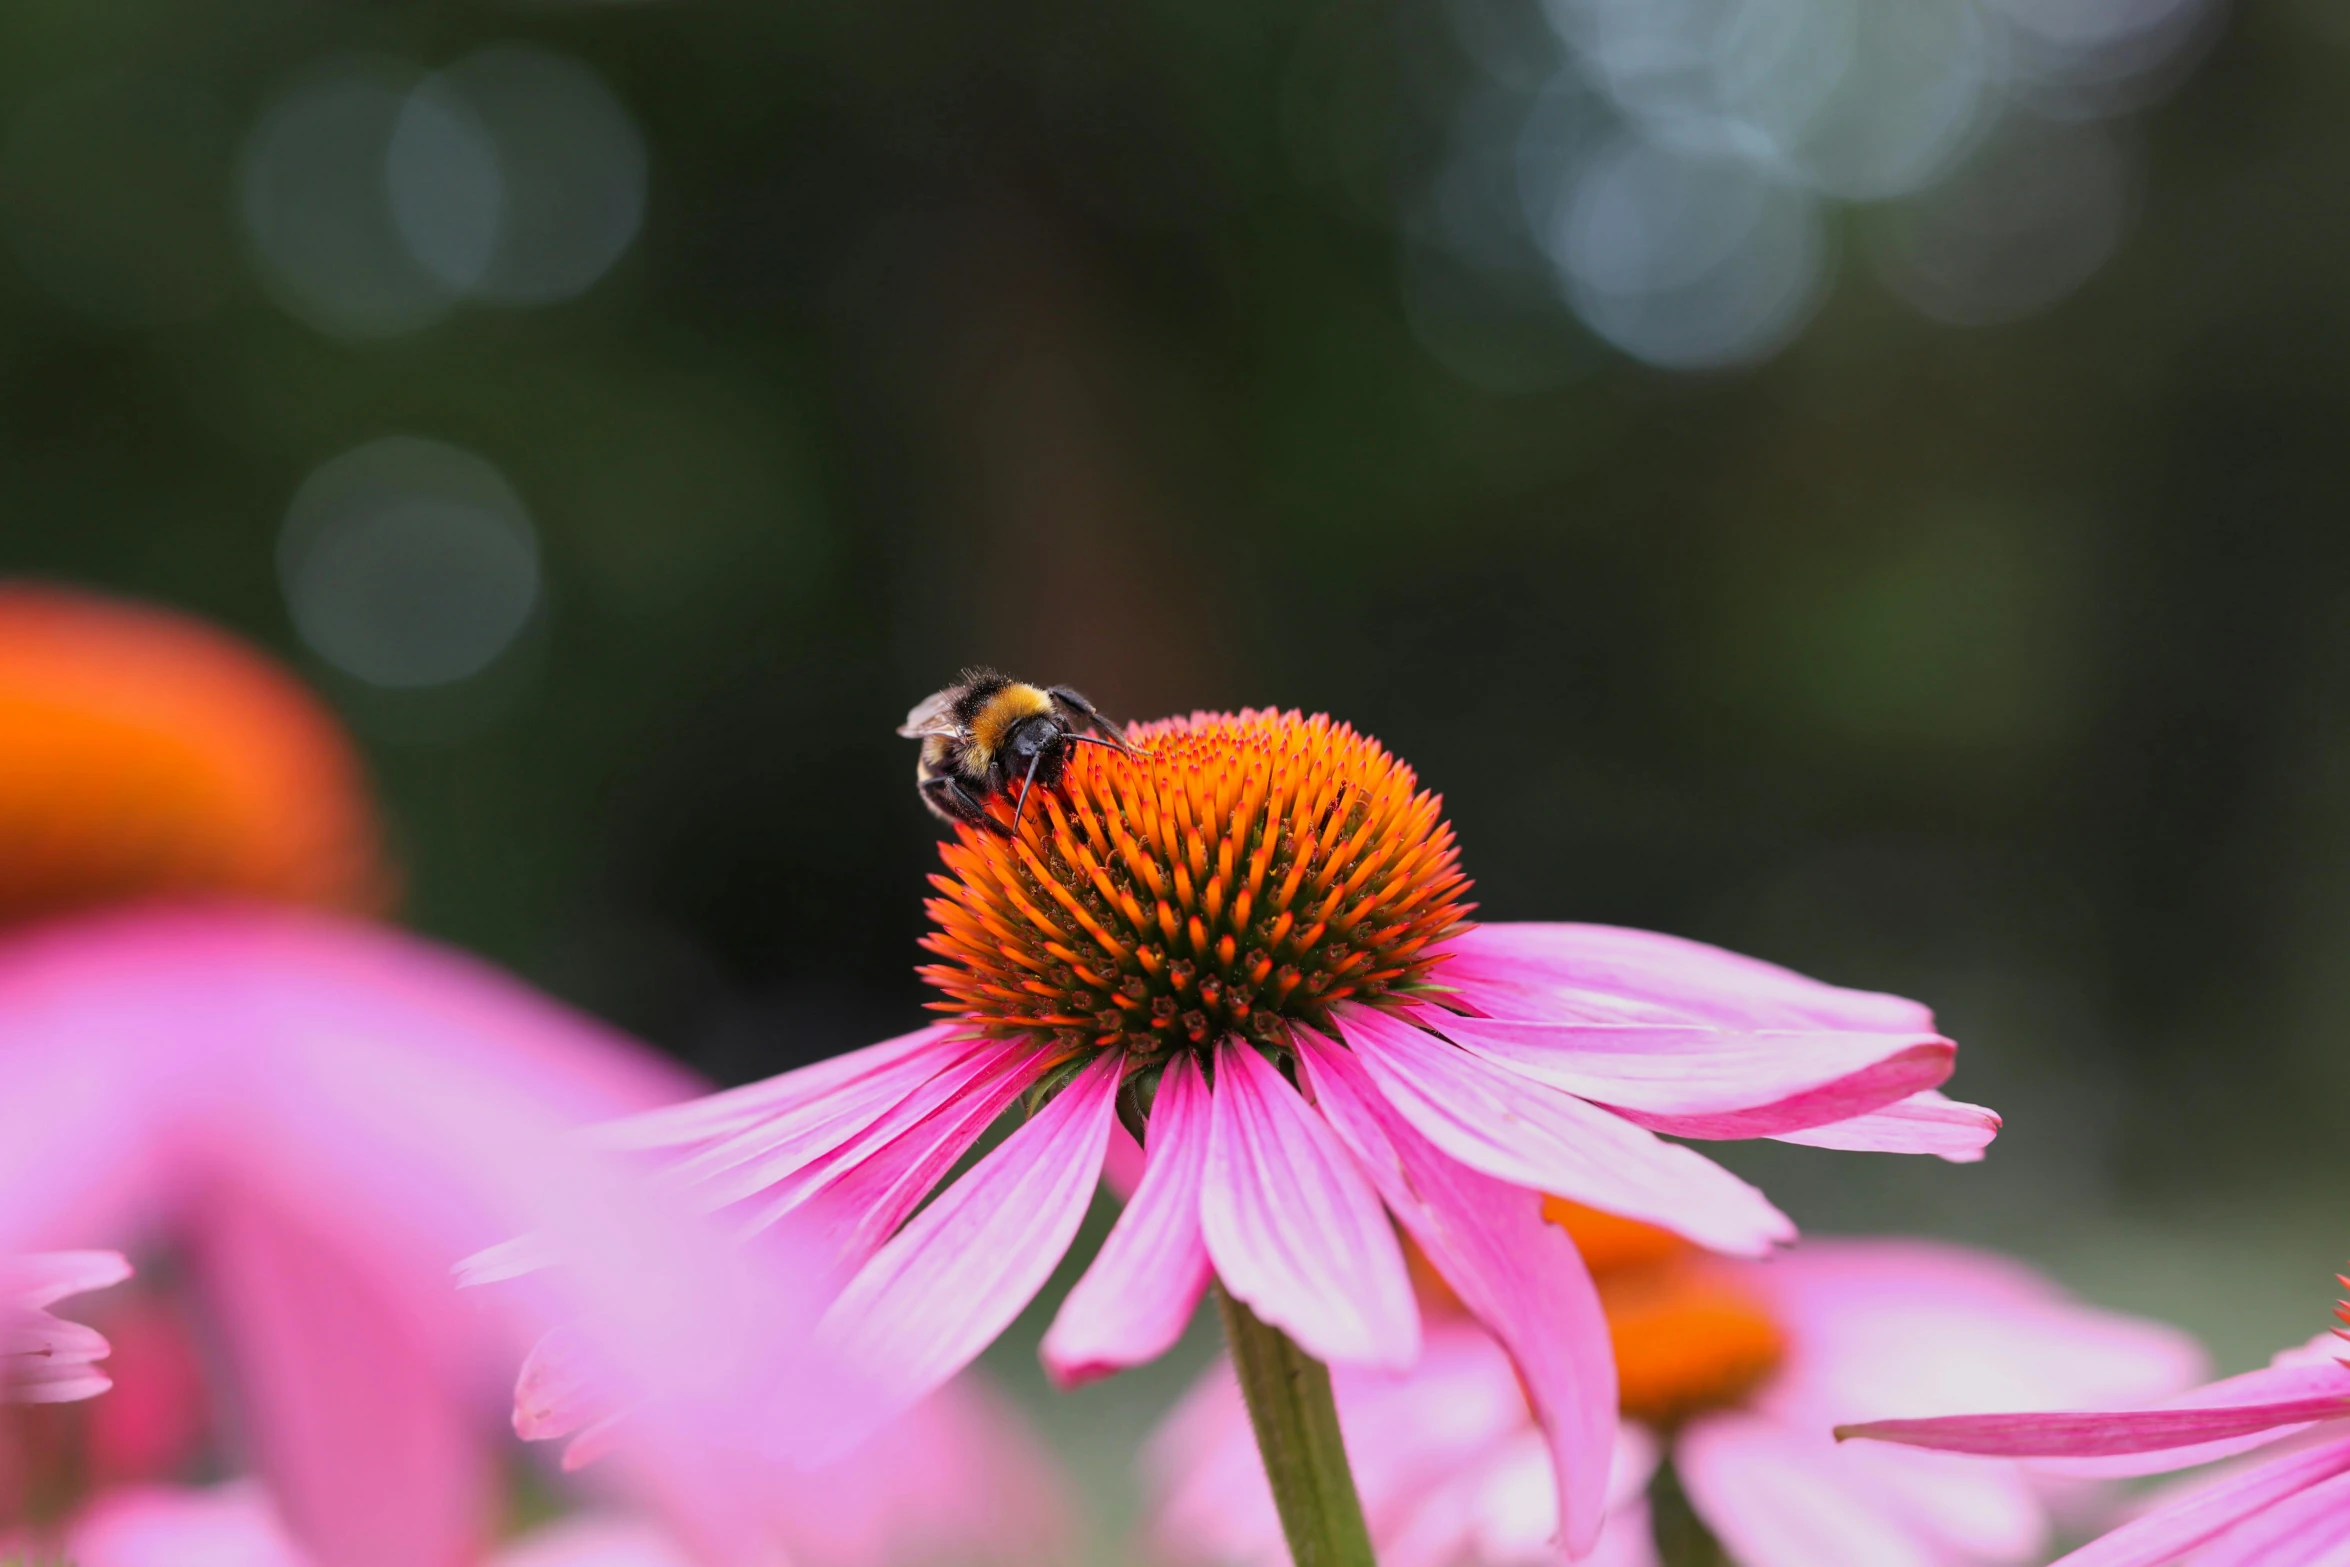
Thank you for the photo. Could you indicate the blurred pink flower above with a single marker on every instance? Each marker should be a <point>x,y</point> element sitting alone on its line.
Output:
<point>321,1118</point>
<point>45,1359</point>
<point>959,1478</point>
<point>1161,930</point>
<point>2289,1509</point>
<point>1449,1459</point>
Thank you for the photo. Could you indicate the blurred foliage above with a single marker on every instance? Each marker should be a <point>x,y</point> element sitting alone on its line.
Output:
<point>2005,667</point>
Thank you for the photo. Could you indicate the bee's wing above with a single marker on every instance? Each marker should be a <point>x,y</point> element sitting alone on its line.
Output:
<point>933,715</point>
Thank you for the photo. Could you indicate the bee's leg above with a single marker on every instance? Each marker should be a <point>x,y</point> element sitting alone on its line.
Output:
<point>947,798</point>
<point>1091,715</point>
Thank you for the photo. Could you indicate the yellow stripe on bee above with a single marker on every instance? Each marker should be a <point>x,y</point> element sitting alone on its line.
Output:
<point>1006,708</point>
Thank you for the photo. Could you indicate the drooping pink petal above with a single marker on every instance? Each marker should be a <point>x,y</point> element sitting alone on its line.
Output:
<point>1981,1511</point>
<point>1522,1132</point>
<point>1520,1277</point>
<point>1609,971</point>
<point>862,1191</point>
<point>950,1281</point>
<point>816,1138</point>
<point>1292,1226</point>
<point>56,1365</point>
<point>46,1359</point>
<point>1924,1123</point>
<point>1148,1277</point>
<point>1694,1080</point>
<point>1209,1500</point>
<point>43,1278</point>
<point>1425,1447</point>
<point>2164,1536</point>
<point>555,1394</point>
<point>843,1078</point>
<point>2308,1530</point>
<point>1517,1504</point>
<point>330,1369</point>
<point>960,1477</point>
<point>2093,1434</point>
<point>1762,1490</point>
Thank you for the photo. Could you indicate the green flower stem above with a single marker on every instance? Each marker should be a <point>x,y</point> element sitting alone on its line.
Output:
<point>1296,1421</point>
<point>1682,1539</point>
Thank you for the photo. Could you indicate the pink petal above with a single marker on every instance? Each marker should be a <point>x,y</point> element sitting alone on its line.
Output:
<point>1209,1502</point>
<point>43,1278</point>
<point>1138,1296</point>
<point>815,1138</point>
<point>825,1084</point>
<point>1518,1131</point>
<point>1858,1312</point>
<point>2096,1435</point>
<point>954,1277</point>
<point>584,1540</point>
<point>597,1441</point>
<point>2162,1537</point>
<point>1520,1277</point>
<point>330,1370</point>
<point>2308,1371</point>
<point>1614,972</point>
<point>1703,1081</point>
<point>1122,1166</point>
<point>45,1359</point>
<point>1993,1512</point>
<point>1764,1492</point>
<point>878,1177</point>
<point>958,1478</point>
<point>1924,1123</point>
<point>2308,1530</point>
<point>326,1116</point>
<point>173,1526</point>
<point>1292,1226</point>
<point>556,1393</point>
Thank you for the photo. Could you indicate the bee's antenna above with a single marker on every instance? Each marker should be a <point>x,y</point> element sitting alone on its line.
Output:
<point>1107,745</point>
<point>1024,783</point>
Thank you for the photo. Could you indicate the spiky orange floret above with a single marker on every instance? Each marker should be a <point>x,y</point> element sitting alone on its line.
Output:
<point>1239,870</point>
<point>149,754</point>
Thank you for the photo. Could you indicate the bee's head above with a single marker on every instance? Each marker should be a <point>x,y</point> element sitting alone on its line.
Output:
<point>1032,737</point>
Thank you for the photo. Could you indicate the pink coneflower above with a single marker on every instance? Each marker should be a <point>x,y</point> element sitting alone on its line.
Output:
<point>1251,944</point>
<point>2292,1510</point>
<point>1735,1371</point>
<point>957,1479</point>
<point>201,1053</point>
<point>45,1359</point>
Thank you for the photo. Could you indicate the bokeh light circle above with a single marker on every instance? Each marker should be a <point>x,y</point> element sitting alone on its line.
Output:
<point>409,563</point>
<point>1686,260</point>
<point>314,204</point>
<point>517,176</point>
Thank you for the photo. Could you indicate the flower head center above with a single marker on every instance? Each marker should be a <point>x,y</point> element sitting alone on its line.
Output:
<point>1689,1334</point>
<point>1239,870</point>
<point>149,754</point>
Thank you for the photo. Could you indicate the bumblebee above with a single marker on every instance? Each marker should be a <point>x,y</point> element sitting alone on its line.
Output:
<point>983,735</point>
